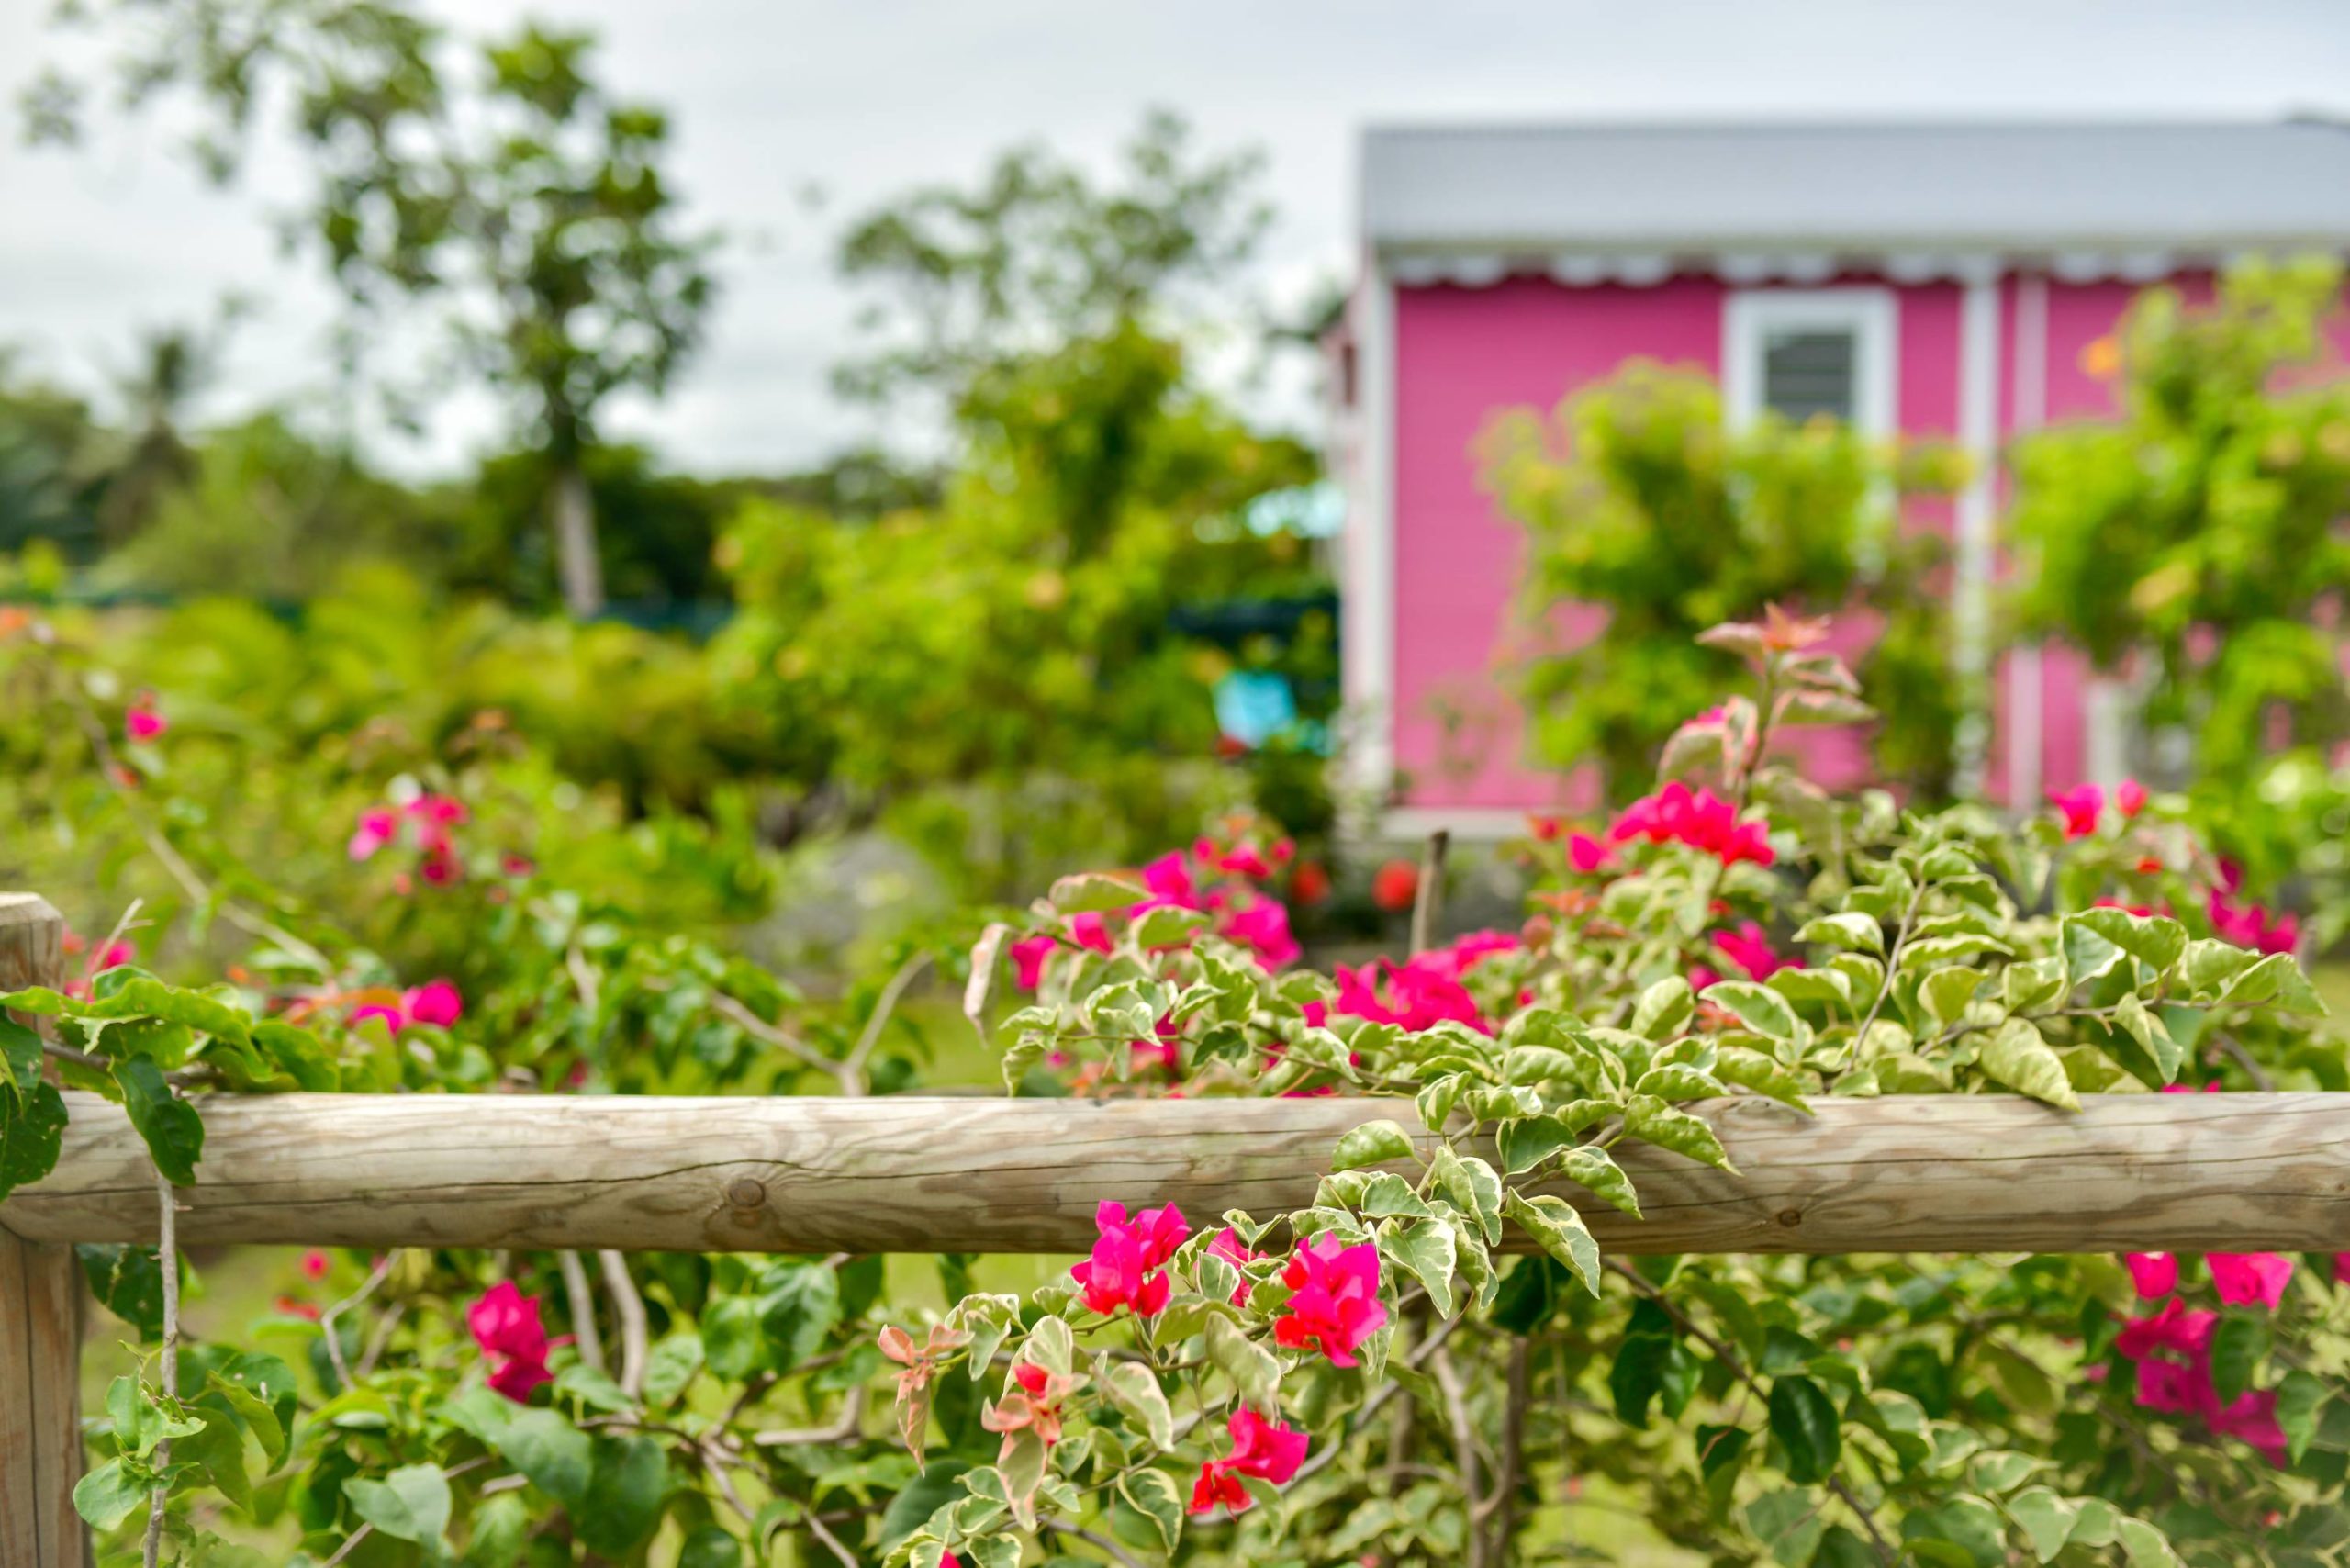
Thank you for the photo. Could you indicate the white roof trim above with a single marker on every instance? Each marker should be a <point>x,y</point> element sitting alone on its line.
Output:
<point>1588,269</point>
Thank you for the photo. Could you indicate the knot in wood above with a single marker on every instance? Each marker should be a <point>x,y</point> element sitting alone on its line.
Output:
<point>1791,1217</point>
<point>745,1193</point>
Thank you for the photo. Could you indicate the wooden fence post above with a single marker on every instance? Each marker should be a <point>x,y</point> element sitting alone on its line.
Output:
<point>40,1323</point>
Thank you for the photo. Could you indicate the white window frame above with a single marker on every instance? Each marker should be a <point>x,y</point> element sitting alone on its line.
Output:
<point>1869,314</point>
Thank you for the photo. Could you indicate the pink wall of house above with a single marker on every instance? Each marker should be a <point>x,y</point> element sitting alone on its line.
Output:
<point>1461,353</point>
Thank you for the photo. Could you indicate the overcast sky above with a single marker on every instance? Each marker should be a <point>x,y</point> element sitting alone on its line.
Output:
<point>860,98</point>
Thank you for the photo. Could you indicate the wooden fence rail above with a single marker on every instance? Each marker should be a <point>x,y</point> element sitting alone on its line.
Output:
<point>1954,1173</point>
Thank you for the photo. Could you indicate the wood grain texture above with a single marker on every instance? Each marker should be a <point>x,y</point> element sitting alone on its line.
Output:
<point>1976,1173</point>
<point>40,1328</point>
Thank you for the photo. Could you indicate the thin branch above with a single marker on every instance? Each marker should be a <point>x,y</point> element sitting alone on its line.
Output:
<point>167,1253</point>
<point>832,1542</point>
<point>839,1430</point>
<point>1427,903</point>
<point>774,1035</point>
<point>629,1307</point>
<point>582,1306</point>
<point>1464,1450</point>
<point>167,854</point>
<point>1117,1554</point>
<point>376,1277</point>
<point>1517,1384</point>
<point>852,1072</point>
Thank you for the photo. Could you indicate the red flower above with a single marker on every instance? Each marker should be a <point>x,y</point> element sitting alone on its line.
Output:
<point>2244,1278</point>
<point>315,1264</point>
<point>2130,796</point>
<point>1028,955</point>
<point>1228,1246</point>
<point>505,1324</point>
<point>1586,853</point>
<point>1120,1271</point>
<point>1309,883</point>
<point>1266,1449</point>
<point>1035,1405</point>
<point>1749,948</point>
<point>2154,1273</point>
<point>141,723</point>
<point>1395,885</point>
<point>2081,806</point>
<point>1336,1303</point>
<point>1700,819</point>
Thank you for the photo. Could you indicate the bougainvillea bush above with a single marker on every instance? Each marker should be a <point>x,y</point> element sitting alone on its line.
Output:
<point>1374,1378</point>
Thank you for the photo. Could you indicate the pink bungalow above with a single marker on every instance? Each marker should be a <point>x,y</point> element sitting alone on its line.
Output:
<point>1932,280</point>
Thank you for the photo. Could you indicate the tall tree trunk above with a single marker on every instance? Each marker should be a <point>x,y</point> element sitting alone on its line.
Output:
<point>577,563</point>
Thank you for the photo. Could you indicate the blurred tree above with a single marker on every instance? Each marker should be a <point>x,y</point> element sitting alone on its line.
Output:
<point>522,206</point>
<point>975,282</point>
<point>2199,533</point>
<point>53,465</point>
<point>1635,499</point>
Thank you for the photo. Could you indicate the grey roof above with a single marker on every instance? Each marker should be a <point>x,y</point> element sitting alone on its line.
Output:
<point>1858,186</point>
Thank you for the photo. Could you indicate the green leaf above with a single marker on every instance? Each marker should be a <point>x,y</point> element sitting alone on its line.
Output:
<point>128,1282</point>
<point>1154,1495</point>
<point>172,1131</point>
<point>2045,1519</point>
<point>801,1307</point>
<point>1558,1230</point>
<point>1947,992</point>
<point>711,1547</point>
<point>557,1457</point>
<point>2299,1395</point>
<point>731,1337</point>
<point>1167,925</point>
<point>1850,930</point>
<point>2143,1545</point>
<point>110,1493</point>
<point>627,1490</point>
<point>2275,981</point>
<point>32,1128</point>
<point>1255,1372</point>
<point>410,1504</point>
<point>1758,1007</point>
<point>671,1367</point>
<point>1595,1169</point>
<point>1428,1251</point>
<point>1753,1069</point>
<point>2154,941</point>
<point>1676,1081</point>
<point>2017,1057</point>
<point>1972,1527</point>
<point>1133,1388</point>
<point>1091,892</point>
<point>2002,1470</point>
<point>1788,1524</point>
<point>1803,1419</point>
<point>1528,1141</point>
<point>1474,1187</point>
<point>1373,1143</point>
<point>2237,1345</point>
<point>20,1055</point>
<point>261,1389</point>
<point>1652,1121</point>
<point>1663,1008</point>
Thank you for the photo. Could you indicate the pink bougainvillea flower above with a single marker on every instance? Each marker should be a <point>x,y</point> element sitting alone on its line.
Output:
<point>1127,1265</point>
<point>1028,956</point>
<point>2130,796</point>
<point>2342,1268</point>
<point>1586,853</point>
<point>1700,819</point>
<point>2242,1278</point>
<point>1749,948</point>
<point>1169,881</point>
<point>505,1324</point>
<point>1262,927</point>
<point>377,826</point>
<point>436,1002</point>
<point>1228,1246</point>
<point>1267,1450</point>
<point>1034,1406</point>
<point>315,1264</point>
<point>1416,995</point>
<point>2155,1274</point>
<point>1092,932</point>
<point>393,1014</point>
<point>2250,924</point>
<point>1394,885</point>
<point>2175,1327</point>
<point>2080,806</point>
<point>1335,1304</point>
<point>141,723</point>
